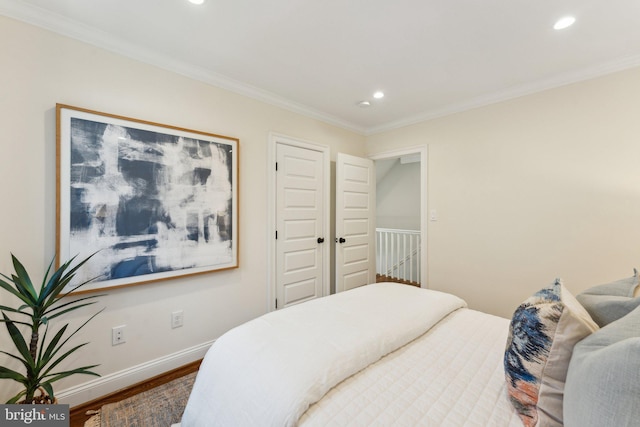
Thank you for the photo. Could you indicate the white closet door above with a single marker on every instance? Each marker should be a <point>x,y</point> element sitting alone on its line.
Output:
<point>355,222</point>
<point>299,224</point>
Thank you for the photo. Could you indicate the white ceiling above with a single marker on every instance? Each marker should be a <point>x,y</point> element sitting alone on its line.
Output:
<point>320,58</point>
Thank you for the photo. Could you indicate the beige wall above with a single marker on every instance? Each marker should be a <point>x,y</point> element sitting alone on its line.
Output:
<point>539,187</point>
<point>398,197</point>
<point>40,69</point>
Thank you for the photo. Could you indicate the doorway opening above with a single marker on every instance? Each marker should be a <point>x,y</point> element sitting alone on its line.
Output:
<point>401,216</point>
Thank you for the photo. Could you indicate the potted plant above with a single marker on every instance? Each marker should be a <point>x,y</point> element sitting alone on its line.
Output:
<point>41,353</point>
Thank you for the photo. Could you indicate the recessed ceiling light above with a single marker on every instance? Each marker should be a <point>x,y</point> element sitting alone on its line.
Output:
<point>196,1</point>
<point>378,95</point>
<point>565,22</point>
<point>364,104</point>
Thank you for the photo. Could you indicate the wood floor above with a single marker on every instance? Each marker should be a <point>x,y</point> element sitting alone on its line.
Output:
<point>382,278</point>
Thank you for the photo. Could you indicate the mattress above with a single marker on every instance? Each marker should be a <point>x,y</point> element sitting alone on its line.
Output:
<point>452,375</point>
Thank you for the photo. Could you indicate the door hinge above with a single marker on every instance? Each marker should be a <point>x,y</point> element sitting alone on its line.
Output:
<point>276,234</point>
<point>276,303</point>
<point>276,165</point>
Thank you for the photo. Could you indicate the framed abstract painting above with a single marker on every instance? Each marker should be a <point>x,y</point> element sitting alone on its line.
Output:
<point>154,201</point>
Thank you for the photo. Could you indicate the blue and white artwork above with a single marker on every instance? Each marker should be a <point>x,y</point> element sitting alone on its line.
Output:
<point>154,204</point>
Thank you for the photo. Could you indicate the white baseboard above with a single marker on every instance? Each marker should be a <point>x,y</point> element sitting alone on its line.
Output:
<point>110,383</point>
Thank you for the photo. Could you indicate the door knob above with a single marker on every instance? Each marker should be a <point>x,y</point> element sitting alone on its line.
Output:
<point>320,239</point>
<point>340,240</point>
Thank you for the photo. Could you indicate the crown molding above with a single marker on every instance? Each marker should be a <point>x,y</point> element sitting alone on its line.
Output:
<point>73,29</point>
<point>557,81</point>
<point>61,25</point>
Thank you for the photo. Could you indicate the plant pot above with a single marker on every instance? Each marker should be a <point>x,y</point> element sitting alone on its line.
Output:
<point>42,399</point>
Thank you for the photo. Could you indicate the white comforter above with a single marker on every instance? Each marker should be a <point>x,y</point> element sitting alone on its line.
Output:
<point>452,376</point>
<point>267,372</point>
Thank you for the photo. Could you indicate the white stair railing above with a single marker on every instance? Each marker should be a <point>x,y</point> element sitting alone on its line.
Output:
<point>398,254</point>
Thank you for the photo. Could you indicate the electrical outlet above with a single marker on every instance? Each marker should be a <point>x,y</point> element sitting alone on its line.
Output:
<point>117,335</point>
<point>177,319</point>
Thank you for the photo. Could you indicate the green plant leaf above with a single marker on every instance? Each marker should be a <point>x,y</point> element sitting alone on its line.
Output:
<point>28,298</point>
<point>24,278</point>
<point>64,283</point>
<point>17,322</point>
<point>84,370</point>
<point>52,346</point>
<point>11,374</point>
<point>70,309</point>
<point>61,358</point>
<point>41,346</point>
<point>14,310</point>
<point>7,287</point>
<point>73,271</point>
<point>19,359</point>
<point>16,398</point>
<point>76,301</point>
<point>58,348</point>
<point>18,340</point>
<point>46,274</point>
<point>61,278</point>
<point>48,290</point>
<point>49,389</point>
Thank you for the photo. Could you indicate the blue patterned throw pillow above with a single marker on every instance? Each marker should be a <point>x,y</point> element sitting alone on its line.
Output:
<point>542,334</point>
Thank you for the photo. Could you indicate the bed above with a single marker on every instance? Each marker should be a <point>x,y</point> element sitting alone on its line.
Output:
<point>380,355</point>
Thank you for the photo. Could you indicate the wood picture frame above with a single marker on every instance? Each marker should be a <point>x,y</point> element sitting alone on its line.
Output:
<point>155,201</point>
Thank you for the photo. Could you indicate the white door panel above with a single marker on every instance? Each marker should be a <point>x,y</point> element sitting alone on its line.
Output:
<point>356,228</point>
<point>300,291</point>
<point>356,254</point>
<point>354,280</point>
<point>355,222</point>
<point>299,224</point>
